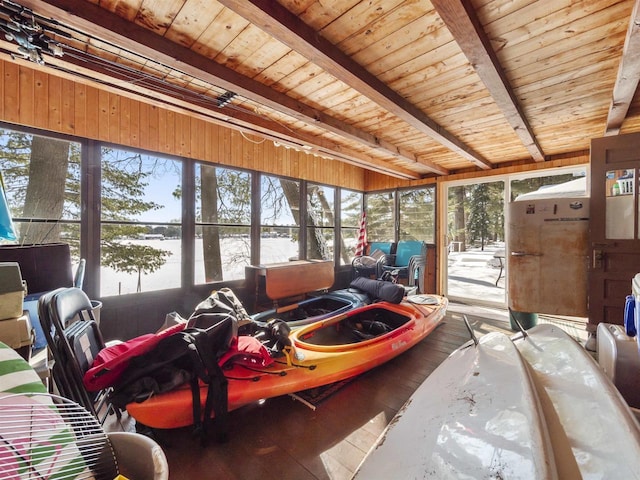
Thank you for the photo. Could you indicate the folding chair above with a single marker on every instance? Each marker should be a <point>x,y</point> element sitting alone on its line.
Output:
<point>408,253</point>
<point>74,339</point>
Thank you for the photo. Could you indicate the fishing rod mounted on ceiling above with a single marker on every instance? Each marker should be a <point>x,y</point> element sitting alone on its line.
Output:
<point>32,38</point>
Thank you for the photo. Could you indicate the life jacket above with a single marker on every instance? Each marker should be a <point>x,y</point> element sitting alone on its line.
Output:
<point>190,355</point>
<point>112,361</point>
<point>191,352</point>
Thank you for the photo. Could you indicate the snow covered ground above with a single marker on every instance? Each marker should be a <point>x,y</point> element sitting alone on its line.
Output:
<point>473,274</point>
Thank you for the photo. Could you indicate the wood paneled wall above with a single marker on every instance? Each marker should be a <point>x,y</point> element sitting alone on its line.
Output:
<point>40,99</point>
<point>36,97</point>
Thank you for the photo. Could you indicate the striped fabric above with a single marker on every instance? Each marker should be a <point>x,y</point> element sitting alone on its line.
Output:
<point>361,245</point>
<point>50,451</point>
<point>16,375</point>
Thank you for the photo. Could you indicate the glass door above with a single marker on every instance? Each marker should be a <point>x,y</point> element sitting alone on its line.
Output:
<point>477,228</point>
<point>475,242</point>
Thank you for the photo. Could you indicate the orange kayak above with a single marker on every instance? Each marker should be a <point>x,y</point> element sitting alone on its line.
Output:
<point>321,353</point>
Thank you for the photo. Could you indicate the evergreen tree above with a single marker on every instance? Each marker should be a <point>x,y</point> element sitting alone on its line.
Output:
<point>380,216</point>
<point>124,177</point>
<point>479,222</point>
<point>417,214</point>
<point>351,212</point>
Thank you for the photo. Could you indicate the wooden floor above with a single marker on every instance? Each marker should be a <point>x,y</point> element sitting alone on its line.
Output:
<point>284,439</point>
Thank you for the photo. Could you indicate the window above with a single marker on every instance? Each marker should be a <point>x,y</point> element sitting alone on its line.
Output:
<point>141,220</point>
<point>350,212</point>
<point>279,219</point>
<point>417,216</point>
<point>42,180</point>
<point>320,222</point>
<point>380,217</point>
<point>223,223</point>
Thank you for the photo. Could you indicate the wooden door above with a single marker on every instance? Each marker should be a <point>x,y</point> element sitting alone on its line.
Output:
<point>614,236</point>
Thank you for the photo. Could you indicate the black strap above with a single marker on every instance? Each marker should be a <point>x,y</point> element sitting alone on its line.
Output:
<point>207,369</point>
<point>217,402</point>
<point>195,401</point>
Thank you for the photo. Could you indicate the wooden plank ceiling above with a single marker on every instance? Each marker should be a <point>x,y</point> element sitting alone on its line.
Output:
<point>411,88</point>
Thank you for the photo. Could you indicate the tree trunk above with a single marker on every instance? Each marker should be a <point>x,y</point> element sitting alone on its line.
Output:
<point>318,248</point>
<point>212,257</point>
<point>459,219</point>
<point>46,190</point>
<point>292,194</point>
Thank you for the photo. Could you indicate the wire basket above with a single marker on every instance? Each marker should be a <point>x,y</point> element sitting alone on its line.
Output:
<point>44,436</point>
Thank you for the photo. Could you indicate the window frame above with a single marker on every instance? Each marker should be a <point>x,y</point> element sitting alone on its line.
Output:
<point>222,224</point>
<point>101,147</point>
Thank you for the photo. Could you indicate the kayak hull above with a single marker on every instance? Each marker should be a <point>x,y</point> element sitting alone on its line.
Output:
<point>476,416</point>
<point>313,361</point>
<point>598,427</point>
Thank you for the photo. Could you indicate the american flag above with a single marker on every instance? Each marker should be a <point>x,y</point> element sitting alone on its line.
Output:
<point>361,246</point>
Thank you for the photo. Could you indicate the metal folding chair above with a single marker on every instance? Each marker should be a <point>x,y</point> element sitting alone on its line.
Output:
<point>74,339</point>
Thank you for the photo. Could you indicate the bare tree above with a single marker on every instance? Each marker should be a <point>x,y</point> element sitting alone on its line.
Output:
<point>46,189</point>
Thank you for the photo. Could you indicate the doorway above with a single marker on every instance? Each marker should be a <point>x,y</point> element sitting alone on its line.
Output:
<point>475,242</point>
<point>475,268</point>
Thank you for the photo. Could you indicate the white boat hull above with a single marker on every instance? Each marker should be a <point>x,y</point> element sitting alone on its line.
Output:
<point>476,416</point>
<point>582,403</point>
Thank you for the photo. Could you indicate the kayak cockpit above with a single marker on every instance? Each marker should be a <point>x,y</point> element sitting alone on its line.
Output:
<point>361,326</point>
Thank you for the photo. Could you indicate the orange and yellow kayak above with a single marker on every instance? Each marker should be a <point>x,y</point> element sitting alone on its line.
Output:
<point>321,353</point>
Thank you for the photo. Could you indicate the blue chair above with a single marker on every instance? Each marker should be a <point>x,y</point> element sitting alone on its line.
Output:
<point>410,254</point>
<point>388,248</point>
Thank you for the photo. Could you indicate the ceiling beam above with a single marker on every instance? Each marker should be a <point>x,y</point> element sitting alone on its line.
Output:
<point>460,18</point>
<point>628,75</point>
<point>286,27</point>
<point>137,86</point>
<point>100,23</point>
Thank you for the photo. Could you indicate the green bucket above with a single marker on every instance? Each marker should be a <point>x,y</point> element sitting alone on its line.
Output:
<point>526,319</point>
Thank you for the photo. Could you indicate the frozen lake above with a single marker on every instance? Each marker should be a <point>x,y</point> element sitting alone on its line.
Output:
<point>471,274</point>
<point>235,257</point>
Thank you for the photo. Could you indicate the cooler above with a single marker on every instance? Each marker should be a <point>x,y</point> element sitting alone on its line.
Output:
<point>17,334</point>
<point>619,358</point>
